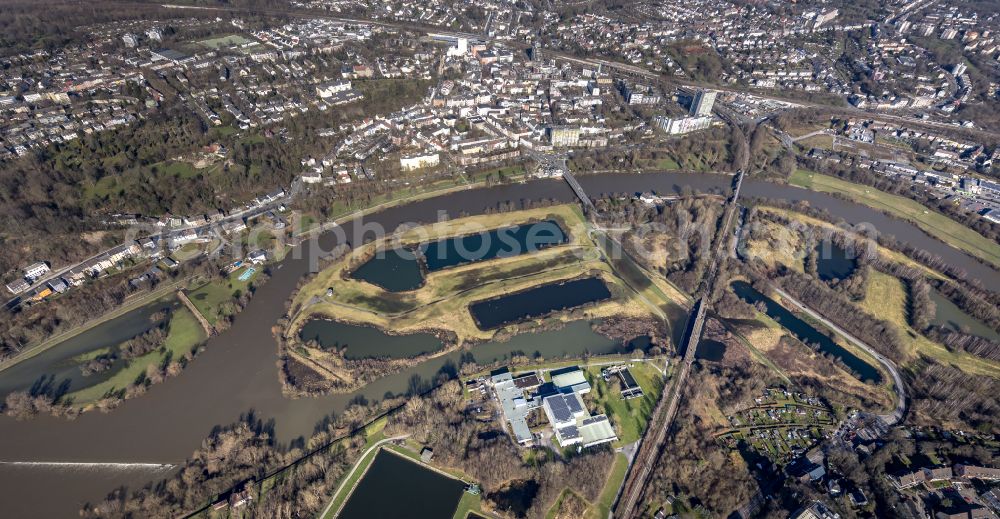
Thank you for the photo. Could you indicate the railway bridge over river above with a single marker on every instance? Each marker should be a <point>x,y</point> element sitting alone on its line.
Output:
<point>652,443</point>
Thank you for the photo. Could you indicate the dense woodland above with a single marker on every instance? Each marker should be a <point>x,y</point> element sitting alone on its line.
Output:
<point>674,239</point>
<point>695,466</point>
<point>246,451</point>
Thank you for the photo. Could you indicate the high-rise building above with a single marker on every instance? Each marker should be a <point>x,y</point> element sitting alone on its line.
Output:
<point>701,106</point>
<point>535,52</point>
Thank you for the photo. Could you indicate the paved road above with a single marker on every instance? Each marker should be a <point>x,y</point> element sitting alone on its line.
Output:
<point>163,236</point>
<point>354,469</point>
<point>897,414</point>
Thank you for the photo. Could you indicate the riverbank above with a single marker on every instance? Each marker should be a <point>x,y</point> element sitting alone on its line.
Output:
<point>885,296</point>
<point>935,224</point>
<point>235,374</point>
<point>441,304</point>
<point>129,306</point>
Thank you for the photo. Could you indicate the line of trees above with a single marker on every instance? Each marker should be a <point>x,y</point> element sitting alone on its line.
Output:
<point>956,340</point>
<point>834,306</point>
<point>438,420</point>
<point>695,466</point>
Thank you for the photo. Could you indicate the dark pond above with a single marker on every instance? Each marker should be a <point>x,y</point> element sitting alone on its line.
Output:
<point>537,302</point>
<point>834,262</point>
<point>949,315</point>
<point>400,269</point>
<point>60,366</point>
<point>505,242</point>
<point>236,372</point>
<point>806,333</point>
<point>642,342</point>
<point>710,350</point>
<point>364,341</point>
<point>395,486</point>
<point>396,270</point>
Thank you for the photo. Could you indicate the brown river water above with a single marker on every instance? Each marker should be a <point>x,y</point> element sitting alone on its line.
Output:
<point>237,372</point>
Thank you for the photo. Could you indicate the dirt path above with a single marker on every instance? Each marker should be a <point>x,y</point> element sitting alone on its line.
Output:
<point>209,329</point>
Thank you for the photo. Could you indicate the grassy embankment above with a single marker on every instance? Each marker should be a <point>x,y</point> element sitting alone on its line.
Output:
<point>800,361</point>
<point>886,299</point>
<point>373,434</point>
<point>183,334</point>
<point>410,449</point>
<point>214,299</point>
<point>936,224</point>
<point>883,252</point>
<point>441,303</point>
<point>131,303</point>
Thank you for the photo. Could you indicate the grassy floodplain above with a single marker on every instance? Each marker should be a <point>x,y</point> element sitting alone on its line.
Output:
<point>213,299</point>
<point>931,222</point>
<point>886,298</point>
<point>183,334</point>
<point>885,253</point>
<point>441,303</point>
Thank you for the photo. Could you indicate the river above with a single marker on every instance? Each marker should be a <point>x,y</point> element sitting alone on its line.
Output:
<point>236,373</point>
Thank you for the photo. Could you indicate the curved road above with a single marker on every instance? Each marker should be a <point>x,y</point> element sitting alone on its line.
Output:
<point>236,372</point>
<point>897,414</point>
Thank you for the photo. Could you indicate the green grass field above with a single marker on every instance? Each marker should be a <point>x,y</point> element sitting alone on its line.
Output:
<point>183,333</point>
<point>630,416</point>
<point>373,434</point>
<point>210,299</point>
<point>934,223</point>
<point>507,171</point>
<point>886,298</point>
<point>615,480</point>
<point>224,41</point>
<point>469,503</point>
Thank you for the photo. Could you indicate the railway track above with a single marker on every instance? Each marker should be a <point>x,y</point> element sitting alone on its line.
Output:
<point>666,409</point>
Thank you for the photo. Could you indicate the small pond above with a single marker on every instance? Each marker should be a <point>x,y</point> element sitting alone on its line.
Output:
<point>396,270</point>
<point>710,350</point>
<point>537,302</point>
<point>806,333</point>
<point>949,315</point>
<point>833,262</point>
